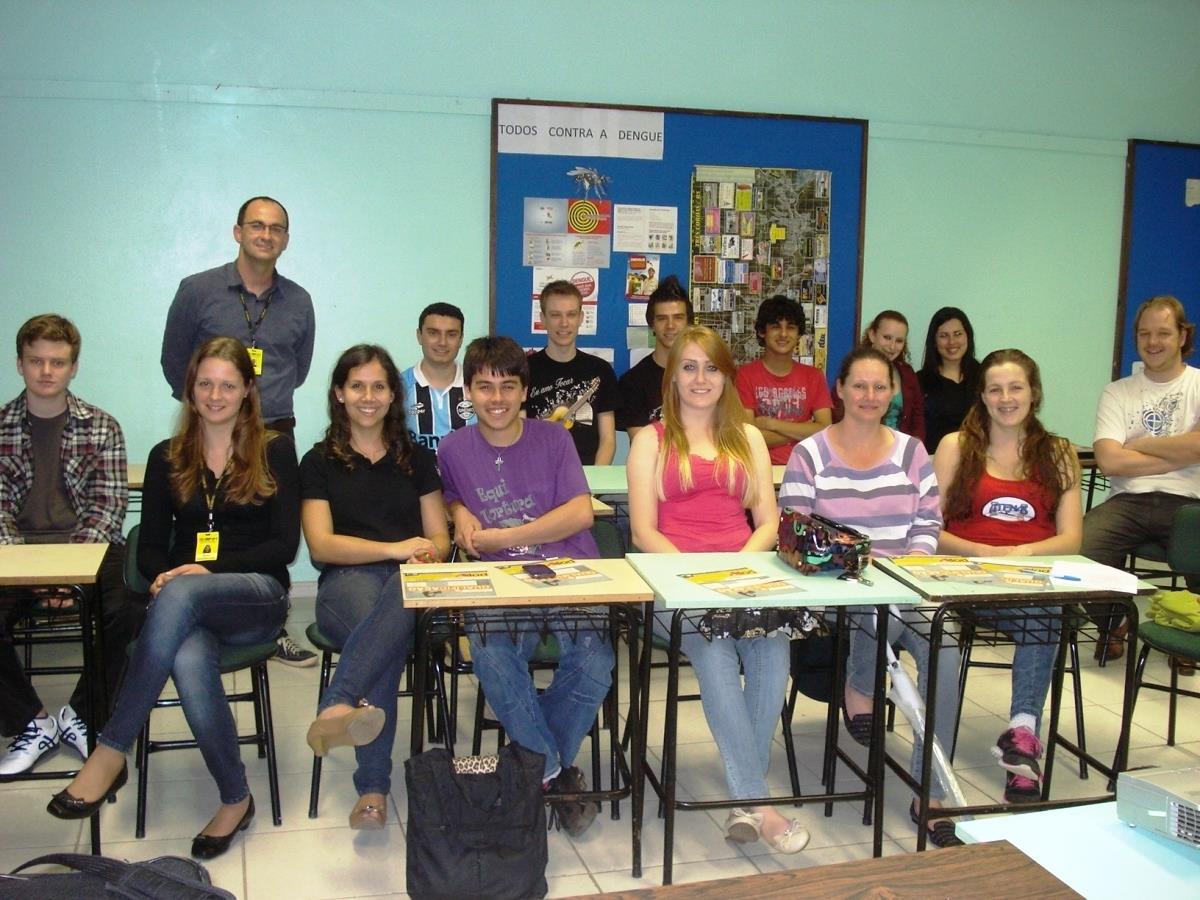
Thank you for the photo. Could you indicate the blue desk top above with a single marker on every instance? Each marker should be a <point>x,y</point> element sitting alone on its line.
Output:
<point>663,571</point>
<point>1094,852</point>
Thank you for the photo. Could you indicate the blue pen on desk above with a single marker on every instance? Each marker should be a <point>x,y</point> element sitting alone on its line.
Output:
<point>1067,577</point>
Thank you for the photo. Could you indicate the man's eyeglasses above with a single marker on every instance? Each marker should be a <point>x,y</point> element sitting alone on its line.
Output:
<point>257,227</point>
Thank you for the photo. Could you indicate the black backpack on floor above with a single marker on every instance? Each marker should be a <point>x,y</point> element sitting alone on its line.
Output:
<point>476,826</point>
<point>164,878</point>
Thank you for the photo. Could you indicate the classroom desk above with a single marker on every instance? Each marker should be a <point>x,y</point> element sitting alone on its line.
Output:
<point>136,475</point>
<point>74,566</point>
<point>1091,476</point>
<point>979,871</point>
<point>1048,605</point>
<point>1094,852</point>
<point>623,587</point>
<point>605,481</point>
<point>663,571</point>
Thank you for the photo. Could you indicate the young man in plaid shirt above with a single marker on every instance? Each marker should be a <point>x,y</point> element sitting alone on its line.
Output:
<point>63,479</point>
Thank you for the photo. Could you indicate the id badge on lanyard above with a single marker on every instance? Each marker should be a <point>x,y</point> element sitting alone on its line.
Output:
<point>208,542</point>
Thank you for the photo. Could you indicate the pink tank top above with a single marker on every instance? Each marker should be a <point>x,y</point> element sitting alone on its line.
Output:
<point>706,517</point>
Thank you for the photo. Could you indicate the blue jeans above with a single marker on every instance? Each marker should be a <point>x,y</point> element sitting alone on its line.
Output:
<point>1033,658</point>
<point>185,626</point>
<point>361,607</point>
<point>555,721</point>
<point>911,632</point>
<point>742,719</point>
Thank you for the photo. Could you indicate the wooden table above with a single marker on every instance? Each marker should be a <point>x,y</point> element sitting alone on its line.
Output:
<point>622,587</point>
<point>74,566</point>
<point>978,871</point>
<point>664,571</point>
<point>1053,603</point>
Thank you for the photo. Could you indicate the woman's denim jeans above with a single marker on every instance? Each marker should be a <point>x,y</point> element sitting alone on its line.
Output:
<point>910,631</point>
<point>1036,639</point>
<point>555,721</point>
<point>361,608</point>
<point>742,719</point>
<point>185,626</point>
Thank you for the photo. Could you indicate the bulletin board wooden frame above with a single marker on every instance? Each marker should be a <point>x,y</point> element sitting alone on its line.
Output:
<point>690,138</point>
<point>1160,240</point>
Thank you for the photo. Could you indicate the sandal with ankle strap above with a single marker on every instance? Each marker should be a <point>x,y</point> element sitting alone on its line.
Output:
<point>859,727</point>
<point>940,833</point>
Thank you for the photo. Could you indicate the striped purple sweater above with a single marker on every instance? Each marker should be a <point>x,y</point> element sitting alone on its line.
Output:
<point>895,502</point>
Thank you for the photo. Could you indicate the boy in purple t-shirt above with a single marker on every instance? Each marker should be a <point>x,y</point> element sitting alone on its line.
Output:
<point>516,490</point>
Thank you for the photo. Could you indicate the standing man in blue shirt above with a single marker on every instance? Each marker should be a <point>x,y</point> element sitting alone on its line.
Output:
<point>249,300</point>
<point>434,401</point>
<point>273,316</point>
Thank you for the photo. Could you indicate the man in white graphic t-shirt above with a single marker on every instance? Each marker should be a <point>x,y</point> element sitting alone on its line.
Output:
<point>1148,440</point>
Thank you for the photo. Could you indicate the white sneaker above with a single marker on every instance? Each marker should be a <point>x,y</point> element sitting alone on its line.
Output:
<point>39,737</point>
<point>73,731</point>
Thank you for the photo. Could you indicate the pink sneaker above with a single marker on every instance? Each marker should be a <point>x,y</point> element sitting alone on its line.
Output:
<point>1019,789</point>
<point>1018,750</point>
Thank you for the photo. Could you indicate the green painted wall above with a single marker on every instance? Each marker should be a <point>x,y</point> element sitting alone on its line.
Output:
<point>131,131</point>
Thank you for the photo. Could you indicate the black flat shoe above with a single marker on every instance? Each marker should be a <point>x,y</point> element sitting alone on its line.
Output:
<point>859,726</point>
<point>940,833</point>
<point>207,846</point>
<point>63,806</point>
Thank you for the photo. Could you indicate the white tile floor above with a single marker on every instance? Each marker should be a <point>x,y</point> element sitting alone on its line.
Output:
<point>322,858</point>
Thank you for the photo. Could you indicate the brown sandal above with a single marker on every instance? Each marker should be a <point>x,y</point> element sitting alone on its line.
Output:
<point>368,815</point>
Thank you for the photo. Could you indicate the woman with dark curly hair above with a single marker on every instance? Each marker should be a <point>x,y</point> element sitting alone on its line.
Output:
<point>371,499</point>
<point>1010,488</point>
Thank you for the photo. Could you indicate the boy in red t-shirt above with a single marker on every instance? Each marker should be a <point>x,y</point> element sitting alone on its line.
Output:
<point>785,399</point>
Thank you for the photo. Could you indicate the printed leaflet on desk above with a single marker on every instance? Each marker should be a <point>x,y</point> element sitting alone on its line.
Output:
<point>744,582</point>
<point>566,571</point>
<point>431,585</point>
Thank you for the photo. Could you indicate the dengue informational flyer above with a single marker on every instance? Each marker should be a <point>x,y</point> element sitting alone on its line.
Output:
<point>562,571</point>
<point>431,585</point>
<point>742,583</point>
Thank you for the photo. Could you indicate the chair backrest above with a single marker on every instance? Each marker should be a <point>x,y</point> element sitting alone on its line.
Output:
<point>608,539</point>
<point>1183,549</point>
<point>134,580</point>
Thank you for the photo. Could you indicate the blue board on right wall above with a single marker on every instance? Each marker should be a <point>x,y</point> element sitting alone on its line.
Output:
<point>1160,244</point>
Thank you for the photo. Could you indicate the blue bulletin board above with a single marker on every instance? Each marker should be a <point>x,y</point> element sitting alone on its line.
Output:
<point>595,192</point>
<point>1160,245</point>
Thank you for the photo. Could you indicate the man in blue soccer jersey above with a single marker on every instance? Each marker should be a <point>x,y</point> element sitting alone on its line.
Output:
<point>433,389</point>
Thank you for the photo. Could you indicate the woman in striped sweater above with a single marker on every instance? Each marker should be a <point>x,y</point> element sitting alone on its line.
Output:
<point>880,481</point>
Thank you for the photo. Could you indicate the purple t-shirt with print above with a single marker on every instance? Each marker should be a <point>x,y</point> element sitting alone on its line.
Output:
<point>505,486</point>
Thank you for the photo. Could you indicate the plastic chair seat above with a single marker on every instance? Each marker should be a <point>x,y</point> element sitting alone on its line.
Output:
<point>1172,641</point>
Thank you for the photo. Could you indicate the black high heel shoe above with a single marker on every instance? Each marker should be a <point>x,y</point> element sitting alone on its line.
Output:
<point>209,846</point>
<point>63,806</point>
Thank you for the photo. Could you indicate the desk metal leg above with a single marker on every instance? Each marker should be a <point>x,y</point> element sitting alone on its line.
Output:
<point>1056,686</point>
<point>637,752</point>
<point>421,639</point>
<point>875,754</point>
<point>670,729</point>
<point>94,675</point>
<point>1121,760</point>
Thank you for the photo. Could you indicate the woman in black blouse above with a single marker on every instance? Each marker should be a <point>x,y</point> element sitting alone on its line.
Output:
<point>220,523</point>
<point>947,374</point>
<point>372,498</point>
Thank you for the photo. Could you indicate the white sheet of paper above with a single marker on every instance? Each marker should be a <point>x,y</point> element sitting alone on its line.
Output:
<point>1093,576</point>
